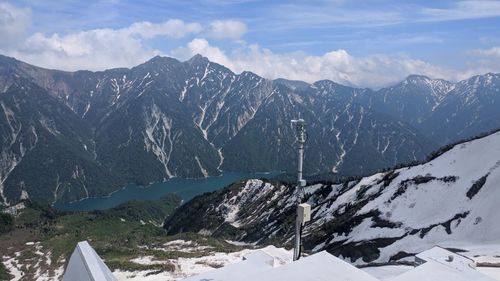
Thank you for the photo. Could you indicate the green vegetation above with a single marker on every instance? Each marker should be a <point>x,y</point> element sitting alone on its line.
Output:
<point>125,227</point>
<point>4,274</point>
<point>118,235</point>
<point>6,223</point>
<point>148,211</point>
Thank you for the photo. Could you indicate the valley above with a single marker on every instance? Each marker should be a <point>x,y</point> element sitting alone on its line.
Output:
<point>186,189</point>
<point>129,237</point>
<point>243,140</point>
<point>388,179</point>
<point>377,222</point>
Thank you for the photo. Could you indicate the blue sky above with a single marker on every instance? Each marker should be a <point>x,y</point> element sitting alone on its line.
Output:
<point>368,43</point>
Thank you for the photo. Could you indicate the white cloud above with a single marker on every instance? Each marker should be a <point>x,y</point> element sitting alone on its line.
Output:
<point>294,15</point>
<point>491,52</point>
<point>464,10</point>
<point>172,28</point>
<point>297,15</point>
<point>231,29</point>
<point>14,23</point>
<point>93,50</point>
<point>201,46</point>
<point>483,61</point>
<point>340,66</point>
<point>98,49</point>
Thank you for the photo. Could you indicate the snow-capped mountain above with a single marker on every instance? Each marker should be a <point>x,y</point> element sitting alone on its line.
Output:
<point>167,118</point>
<point>469,109</point>
<point>450,200</point>
<point>412,100</point>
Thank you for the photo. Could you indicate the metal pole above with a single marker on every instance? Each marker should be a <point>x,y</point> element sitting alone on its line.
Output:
<point>296,248</point>
<point>301,139</point>
<point>301,159</point>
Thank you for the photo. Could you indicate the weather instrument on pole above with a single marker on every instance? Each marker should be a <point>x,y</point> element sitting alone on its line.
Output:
<point>303,209</point>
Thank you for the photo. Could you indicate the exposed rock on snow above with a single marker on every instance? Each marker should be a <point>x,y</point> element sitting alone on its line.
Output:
<point>185,267</point>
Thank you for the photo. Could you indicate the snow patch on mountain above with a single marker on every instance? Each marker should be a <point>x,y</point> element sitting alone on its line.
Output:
<point>190,266</point>
<point>202,170</point>
<point>15,146</point>
<point>253,190</point>
<point>157,136</point>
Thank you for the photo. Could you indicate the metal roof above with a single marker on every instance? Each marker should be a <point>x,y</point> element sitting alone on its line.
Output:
<point>86,265</point>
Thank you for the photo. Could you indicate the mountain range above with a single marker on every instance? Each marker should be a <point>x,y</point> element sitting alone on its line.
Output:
<point>385,217</point>
<point>72,135</point>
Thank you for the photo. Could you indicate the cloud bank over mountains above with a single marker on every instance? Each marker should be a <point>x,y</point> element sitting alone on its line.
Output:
<point>222,41</point>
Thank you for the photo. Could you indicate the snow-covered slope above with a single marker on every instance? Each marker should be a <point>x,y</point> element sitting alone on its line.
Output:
<point>384,217</point>
<point>198,260</point>
<point>452,198</point>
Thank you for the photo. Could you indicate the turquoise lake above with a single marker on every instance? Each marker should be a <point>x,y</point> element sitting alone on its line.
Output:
<point>185,188</point>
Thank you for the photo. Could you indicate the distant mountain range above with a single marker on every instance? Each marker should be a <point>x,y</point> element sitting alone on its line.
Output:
<point>386,217</point>
<point>71,135</point>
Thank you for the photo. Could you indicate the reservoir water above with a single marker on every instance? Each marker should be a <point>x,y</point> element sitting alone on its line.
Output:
<point>185,188</point>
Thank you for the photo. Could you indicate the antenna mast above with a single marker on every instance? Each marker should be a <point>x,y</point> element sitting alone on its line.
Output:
<point>303,210</point>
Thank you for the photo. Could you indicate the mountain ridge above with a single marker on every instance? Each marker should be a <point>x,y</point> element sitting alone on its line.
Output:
<point>160,58</point>
<point>167,118</point>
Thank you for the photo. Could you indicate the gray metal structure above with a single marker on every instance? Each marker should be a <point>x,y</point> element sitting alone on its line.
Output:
<point>302,209</point>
